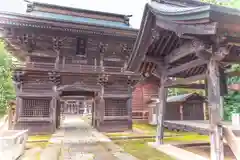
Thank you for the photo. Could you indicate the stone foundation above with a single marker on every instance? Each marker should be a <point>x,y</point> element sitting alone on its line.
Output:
<point>35,127</point>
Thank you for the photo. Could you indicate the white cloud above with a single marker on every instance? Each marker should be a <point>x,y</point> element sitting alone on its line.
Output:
<point>129,7</point>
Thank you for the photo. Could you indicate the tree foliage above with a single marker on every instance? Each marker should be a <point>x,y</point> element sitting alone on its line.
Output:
<point>7,91</point>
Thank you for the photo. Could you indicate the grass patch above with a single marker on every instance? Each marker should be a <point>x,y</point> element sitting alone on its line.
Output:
<point>122,134</point>
<point>188,138</point>
<point>151,130</point>
<point>141,150</point>
<point>39,138</point>
<point>35,141</point>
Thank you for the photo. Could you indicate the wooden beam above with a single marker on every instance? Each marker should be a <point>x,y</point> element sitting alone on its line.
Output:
<point>189,86</point>
<point>189,65</point>
<point>153,60</point>
<point>156,74</point>
<point>184,81</point>
<point>232,141</point>
<point>184,50</point>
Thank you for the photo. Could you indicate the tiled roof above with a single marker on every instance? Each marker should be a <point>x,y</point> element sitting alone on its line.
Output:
<point>76,19</point>
<point>178,98</point>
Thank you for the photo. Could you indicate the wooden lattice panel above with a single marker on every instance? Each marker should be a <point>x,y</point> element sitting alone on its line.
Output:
<point>116,108</point>
<point>35,108</point>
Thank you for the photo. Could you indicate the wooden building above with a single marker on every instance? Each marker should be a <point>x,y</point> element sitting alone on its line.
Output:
<point>143,93</point>
<point>141,96</point>
<point>181,107</point>
<point>70,52</point>
<point>183,41</point>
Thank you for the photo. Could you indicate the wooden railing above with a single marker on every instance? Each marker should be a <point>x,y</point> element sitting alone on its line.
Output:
<point>232,141</point>
<point>68,67</point>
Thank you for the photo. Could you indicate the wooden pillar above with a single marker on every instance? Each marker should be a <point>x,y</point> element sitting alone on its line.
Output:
<point>63,62</point>
<point>162,95</point>
<point>57,60</point>
<point>18,108</point>
<point>19,104</point>
<point>205,105</point>
<point>214,108</point>
<point>102,104</point>
<point>181,112</point>
<point>10,117</point>
<point>129,107</point>
<point>93,113</point>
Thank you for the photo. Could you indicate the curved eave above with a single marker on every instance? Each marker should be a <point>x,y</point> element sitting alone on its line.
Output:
<point>24,20</point>
<point>183,17</point>
<point>193,11</point>
<point>132,63</point>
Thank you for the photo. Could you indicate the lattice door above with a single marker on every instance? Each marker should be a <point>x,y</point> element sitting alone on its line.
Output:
<point>116,108</point>
<point>35,108</point>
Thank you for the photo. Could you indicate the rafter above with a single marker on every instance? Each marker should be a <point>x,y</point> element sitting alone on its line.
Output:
<point>153,60</point>
<point>184,50</point>
<point>189,65</point>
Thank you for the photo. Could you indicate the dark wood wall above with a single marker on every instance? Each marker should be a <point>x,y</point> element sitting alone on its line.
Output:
<point>141,96</point>
<point>173,111</point>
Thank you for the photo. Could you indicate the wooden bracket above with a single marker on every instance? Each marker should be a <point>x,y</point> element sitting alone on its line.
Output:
<point>103,47</point>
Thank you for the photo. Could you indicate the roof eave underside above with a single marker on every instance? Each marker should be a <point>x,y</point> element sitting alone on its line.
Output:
<point>205,13</point>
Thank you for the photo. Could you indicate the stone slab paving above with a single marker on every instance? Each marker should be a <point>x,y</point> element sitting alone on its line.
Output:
<point>82,142</point>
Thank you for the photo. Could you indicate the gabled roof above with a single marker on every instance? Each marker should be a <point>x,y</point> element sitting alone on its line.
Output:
<point>57,12</point>
<point>33,4</point>
<point>178,98</point>
<point>69,19</point>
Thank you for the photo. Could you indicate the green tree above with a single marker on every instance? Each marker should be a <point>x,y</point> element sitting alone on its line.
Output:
<point>7,91</point>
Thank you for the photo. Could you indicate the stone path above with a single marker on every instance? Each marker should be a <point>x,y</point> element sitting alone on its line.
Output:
<point>82,142</point>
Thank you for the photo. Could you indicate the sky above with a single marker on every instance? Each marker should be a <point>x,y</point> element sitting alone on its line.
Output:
<point>128,7</point>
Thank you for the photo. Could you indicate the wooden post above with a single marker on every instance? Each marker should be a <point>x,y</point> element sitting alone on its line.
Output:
<point>162,95</point>
<point>57,60</point>
<point>205,105</point>
<point>214,108</point>
<point>93,113</point>
<point>102,104</point>
<point>17,108</point>
<point>181,112</point>
<point>10,117</point>
<point>129,107</point>
<point>63,62</point>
